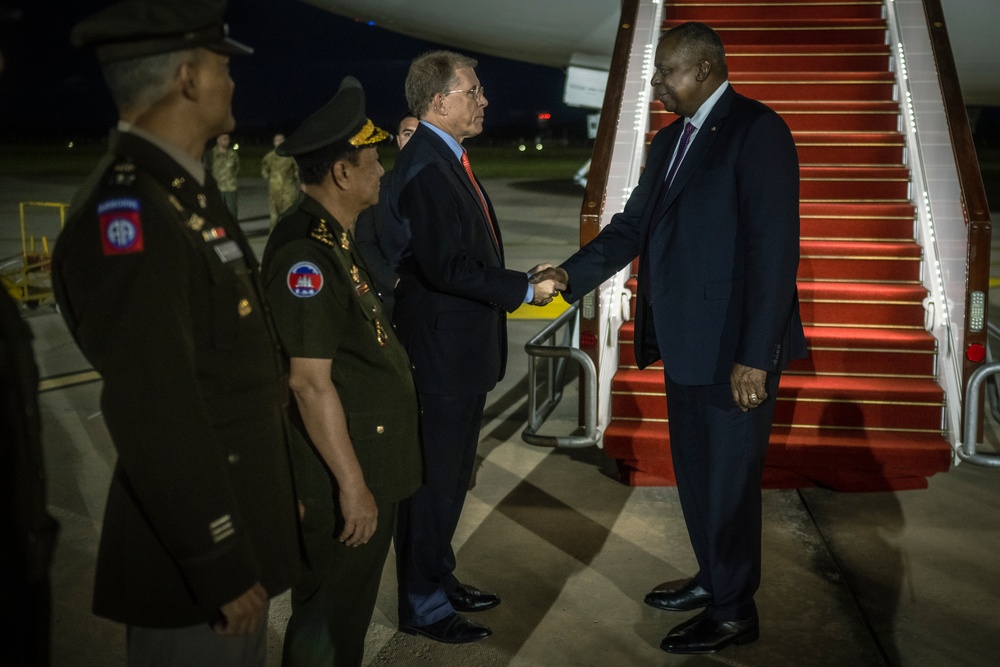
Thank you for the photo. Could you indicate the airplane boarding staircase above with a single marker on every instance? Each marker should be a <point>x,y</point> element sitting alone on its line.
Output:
<point>868,408</point>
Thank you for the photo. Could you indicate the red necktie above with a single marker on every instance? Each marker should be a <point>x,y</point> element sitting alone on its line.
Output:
<point>482,199</point>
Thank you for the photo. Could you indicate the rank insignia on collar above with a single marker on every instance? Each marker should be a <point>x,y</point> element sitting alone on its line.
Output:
<point>195,222</point>
<point>354,274</point>
<point>177,182</point>
<point>345,242</point>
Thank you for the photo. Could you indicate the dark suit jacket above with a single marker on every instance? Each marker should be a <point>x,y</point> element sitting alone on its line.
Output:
<point>723,248</point>
<point>454,292</point>
<point>201,504</point>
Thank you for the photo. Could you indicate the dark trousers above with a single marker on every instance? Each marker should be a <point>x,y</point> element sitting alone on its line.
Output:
<point>425,560</point>
<point>194,646</point>
<point>718,453</point>
<point>333,601</point>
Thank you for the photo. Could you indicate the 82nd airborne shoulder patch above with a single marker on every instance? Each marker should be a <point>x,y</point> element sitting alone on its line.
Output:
<point>305,279</point>
<point>121,225</point>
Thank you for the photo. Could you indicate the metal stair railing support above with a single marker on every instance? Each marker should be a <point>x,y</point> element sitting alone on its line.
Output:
<point>541,348</point>
<point>967,452</point>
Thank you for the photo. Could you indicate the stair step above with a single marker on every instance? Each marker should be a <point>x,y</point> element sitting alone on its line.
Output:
<point>842,461</point>
<point>841,350</point>
<point>808,58</point>
<point>830,116</point>
<point>815,86</point>
<point>797,31</point>
<point>854,183</point>
<point>852,305</point>
<point>711,12</point>
<point>856,221</point>
<point>860,261</point>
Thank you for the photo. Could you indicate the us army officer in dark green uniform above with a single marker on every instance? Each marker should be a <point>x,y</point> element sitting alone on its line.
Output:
<point>351,380</point>
<point>161,292</point>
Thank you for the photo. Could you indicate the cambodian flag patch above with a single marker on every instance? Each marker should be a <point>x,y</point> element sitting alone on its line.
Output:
<point>121,226</point>
<point>305,279</point>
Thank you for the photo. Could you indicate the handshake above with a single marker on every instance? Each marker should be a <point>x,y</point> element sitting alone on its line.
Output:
<point>547,280</point>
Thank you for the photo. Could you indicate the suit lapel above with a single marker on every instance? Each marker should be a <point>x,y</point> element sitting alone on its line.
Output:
<point>699,148</point>
<point>459,171</point>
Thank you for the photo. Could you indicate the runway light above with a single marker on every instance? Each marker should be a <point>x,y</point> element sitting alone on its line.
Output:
<point>544,116</point>
<point>236,147</point>
<point>975,353</point>
<point>522,148</point>
<point>538,147</point>
<point>69,145</point>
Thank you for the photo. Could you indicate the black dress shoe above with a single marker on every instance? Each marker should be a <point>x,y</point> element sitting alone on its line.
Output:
<point>469,598</point>
<point>705,635</point>
<point>452,629</point>
<point>688,597</point>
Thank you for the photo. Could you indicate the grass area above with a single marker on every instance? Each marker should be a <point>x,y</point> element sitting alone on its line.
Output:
<point>35,161</point>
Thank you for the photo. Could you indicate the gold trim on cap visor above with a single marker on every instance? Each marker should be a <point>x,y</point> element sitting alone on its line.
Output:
<point>368,135</point>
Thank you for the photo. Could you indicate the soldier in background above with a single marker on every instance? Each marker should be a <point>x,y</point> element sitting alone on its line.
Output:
<point>282,176</point>
<point>160,290</point>
<point>224,163</point>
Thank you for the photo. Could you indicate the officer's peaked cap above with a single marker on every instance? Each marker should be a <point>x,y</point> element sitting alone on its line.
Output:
<point>138,28</point>
<point>338,127</point>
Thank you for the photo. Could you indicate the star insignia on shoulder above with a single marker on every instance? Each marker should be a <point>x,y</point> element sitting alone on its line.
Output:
<point>322,233</point>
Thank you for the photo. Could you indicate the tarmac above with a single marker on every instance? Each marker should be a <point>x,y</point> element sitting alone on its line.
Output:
<point>907,578</point>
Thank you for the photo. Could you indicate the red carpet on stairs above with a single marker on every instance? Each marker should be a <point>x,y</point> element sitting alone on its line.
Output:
<point>863,412</point>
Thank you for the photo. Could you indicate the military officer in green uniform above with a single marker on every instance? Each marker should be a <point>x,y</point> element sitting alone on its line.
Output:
<point>224,163</point>
<point>161,292</point>
<point>282,176</point>
<point>351,378</point>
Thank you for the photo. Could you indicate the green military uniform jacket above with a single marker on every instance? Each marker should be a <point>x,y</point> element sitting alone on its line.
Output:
<point>281,174</point>
<point>160,290</point>
<point>225,168</point>
<point>326,308</point>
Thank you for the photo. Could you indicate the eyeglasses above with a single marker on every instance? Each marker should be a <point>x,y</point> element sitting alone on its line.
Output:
<point>477,92</point>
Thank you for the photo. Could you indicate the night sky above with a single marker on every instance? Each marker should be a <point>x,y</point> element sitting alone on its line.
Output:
<point>52,90</point>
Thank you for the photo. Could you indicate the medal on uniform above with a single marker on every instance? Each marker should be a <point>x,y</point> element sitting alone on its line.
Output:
<point>196,222</point>
<point>176,203</point>
<point>177,182</point>
<point>244,308</point>
<point>380,334</point>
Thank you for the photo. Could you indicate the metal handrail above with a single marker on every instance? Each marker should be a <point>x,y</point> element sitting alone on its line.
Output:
<point>967,452</point>
<point>542,346</point>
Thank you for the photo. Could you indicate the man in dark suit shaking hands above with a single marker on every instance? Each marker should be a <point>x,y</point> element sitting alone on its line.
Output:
<point>715,222</point>
<point>451,303</point>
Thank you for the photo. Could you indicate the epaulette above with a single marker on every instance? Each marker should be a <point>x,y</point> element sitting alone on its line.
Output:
<point>121,173</point>
<point>321,232</point>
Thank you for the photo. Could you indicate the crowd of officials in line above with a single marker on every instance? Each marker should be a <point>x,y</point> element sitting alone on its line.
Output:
<point>283,424</point>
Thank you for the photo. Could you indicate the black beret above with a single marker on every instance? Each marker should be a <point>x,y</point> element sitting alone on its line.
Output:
<point>339,126</point>
<point>138,28</point>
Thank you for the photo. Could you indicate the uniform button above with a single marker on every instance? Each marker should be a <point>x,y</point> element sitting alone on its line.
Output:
<point>380,429</point>
<point>233,458</point>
